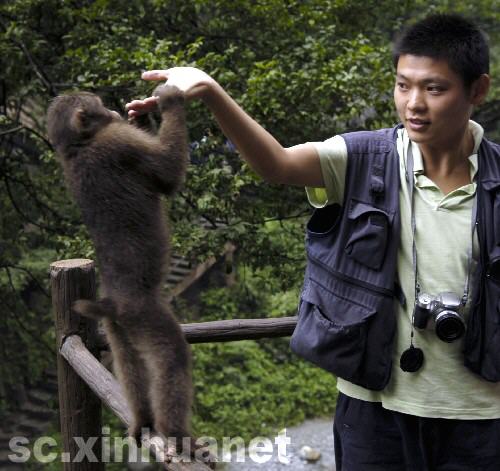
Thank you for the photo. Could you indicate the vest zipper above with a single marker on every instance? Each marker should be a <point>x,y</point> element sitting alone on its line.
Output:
<point>353,281</point>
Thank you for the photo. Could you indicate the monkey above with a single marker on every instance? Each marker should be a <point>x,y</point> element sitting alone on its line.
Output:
<point>117,173</point>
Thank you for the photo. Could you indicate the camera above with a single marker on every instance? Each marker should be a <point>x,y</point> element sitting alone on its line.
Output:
<point>443,311</point>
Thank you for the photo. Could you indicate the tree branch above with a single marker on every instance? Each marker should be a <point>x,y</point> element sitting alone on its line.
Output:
<point>35,337</point>
<point>18,210</point>
<point>40,287</point>
<point>39,203</point>
<point>23,127</point>
<point>193,205</point>
<point>11,131</point>
<point>38,70</point>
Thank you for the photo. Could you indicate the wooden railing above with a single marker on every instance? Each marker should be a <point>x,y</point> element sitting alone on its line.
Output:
<point>84,383</point>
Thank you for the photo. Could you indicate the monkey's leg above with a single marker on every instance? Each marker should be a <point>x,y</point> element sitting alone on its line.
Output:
<point>166,354</point>
<point>132,374</point>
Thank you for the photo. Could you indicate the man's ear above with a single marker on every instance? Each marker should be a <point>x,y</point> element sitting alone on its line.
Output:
<point>479,89</point>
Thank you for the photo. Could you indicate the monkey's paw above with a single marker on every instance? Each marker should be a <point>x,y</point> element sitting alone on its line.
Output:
<point>176,450</point>
<point>204,455</point>
<point>137,429</point>
<point>142,121</point>
<point>169,95</point>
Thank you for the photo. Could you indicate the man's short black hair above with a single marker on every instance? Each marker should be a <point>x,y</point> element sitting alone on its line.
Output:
<point>450,37</point>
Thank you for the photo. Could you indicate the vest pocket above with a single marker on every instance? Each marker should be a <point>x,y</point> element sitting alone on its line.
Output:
<point>493,270</point>
<point>493,187</point>
<point>333,337</point>
<point>324,220</point>
<point>491,359</point>
<point>369,234</point>
<point>482,342</point>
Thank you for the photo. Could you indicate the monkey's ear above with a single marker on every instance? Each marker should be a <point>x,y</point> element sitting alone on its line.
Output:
<point>79,119</point>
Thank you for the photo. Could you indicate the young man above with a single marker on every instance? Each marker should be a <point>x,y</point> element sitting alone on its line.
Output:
<point>416,207</point>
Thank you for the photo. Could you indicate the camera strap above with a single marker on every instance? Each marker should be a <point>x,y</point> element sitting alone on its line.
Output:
<point>412,358</point>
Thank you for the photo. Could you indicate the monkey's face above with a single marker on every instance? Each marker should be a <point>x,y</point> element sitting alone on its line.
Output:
<point>76,117</point>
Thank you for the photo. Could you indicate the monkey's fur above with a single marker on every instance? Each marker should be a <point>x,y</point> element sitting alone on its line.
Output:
<point>117,173</point>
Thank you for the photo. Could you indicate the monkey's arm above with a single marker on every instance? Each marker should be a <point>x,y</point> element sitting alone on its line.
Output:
<point>165,160</point>
<point>158,161</point>
<point>172,137</point>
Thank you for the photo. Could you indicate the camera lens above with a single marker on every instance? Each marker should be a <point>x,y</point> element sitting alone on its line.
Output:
<point>449,326</point>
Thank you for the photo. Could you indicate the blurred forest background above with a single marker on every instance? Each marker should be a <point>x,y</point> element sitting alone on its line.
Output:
<point>304,69</point>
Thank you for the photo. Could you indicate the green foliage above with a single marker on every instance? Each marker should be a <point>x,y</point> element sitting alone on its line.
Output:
<point>243,390</point>
<point>306,70</point>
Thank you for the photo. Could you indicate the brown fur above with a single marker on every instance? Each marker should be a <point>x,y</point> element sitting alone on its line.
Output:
<point>117,173</point>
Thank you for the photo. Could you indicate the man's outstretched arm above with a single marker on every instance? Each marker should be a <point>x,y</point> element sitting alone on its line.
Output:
<point>298,165</point>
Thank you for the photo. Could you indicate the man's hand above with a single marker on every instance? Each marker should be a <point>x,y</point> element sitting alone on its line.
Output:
<point>193,82</point>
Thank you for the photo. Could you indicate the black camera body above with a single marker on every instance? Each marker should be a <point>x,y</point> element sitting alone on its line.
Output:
<point>443,311</point>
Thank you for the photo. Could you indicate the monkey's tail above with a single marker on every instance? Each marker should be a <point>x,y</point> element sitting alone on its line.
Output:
<point>95,309</point>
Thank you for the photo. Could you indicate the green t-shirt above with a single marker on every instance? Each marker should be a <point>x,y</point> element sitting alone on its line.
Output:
<point>443,387</point>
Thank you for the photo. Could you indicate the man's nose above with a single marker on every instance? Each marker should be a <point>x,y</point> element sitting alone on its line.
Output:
<point>416,100</point>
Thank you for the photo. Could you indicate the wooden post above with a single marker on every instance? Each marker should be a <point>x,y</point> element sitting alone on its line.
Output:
<point>105,386</point>
<point>79,408</point>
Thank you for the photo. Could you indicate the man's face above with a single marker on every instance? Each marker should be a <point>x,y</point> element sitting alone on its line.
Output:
<point>431,101</point>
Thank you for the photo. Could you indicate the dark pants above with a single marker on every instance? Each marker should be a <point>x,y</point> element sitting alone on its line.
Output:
<point>370,438</point>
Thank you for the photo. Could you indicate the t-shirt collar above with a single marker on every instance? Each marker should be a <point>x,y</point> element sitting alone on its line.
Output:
<point>418,163</point>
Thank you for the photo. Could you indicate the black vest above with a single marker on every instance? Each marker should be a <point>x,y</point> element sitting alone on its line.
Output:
<point>346,319</point>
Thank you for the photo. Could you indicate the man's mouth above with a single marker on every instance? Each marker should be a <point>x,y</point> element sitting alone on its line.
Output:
<point>417,124</point>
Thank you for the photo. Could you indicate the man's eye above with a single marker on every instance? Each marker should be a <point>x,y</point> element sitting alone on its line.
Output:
<point>402,86</point>
<point>435,89</point>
